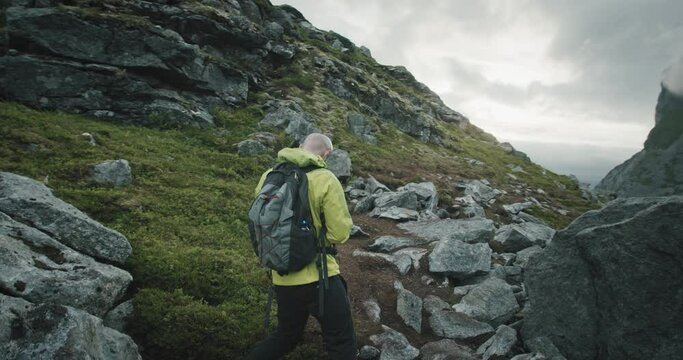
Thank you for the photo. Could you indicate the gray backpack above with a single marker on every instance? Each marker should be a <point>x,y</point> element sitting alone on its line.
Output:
<point>280,222</point>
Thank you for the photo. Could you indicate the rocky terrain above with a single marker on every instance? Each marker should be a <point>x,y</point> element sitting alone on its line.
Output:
<point>658,168</point>
<point>156,118</point>
<point>59,279</point>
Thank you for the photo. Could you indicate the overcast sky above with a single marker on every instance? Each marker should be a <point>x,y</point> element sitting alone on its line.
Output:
<point>572,83</point>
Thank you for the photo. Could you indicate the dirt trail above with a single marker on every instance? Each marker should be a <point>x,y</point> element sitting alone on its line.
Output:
<point>374,278</point>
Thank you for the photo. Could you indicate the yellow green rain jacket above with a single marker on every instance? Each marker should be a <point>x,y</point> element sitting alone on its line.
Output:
<point>325,194</point>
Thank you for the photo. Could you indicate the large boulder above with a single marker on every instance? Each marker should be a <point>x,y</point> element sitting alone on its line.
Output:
<point>290,116</point>
<point>57,332</point>
<point>339,162</point>
<point>516,237</point>
<point>460,259</point>
<point>480,190</point>
<point>427,195</point>
<point>608,286</point>
<point>469,230</point>
<point>38,268</point>
<point>491,301</point>
<point>113,172</point>
<point>402,199</point>
<point>31,202</point>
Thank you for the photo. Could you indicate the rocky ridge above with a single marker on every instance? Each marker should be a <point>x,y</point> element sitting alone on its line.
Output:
<point>657,170</point>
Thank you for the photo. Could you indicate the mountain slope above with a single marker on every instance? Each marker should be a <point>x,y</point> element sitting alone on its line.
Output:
<point>172,86</point>
<point>657,170</point>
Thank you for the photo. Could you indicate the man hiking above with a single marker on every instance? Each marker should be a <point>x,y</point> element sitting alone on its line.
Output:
<point>298,293</point>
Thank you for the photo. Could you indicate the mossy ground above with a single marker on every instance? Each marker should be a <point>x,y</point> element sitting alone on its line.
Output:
<point>198,290</point>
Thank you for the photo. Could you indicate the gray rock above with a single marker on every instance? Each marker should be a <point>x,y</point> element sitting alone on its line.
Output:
<point>368,352</point>
<point>361,127</point>
<point>469,207</point>
<point>499,345</point>
<point>459,259</point>
<point>491,301</point>
<point>365,51</point>
<point>514,209</point>
<point>273,30</point>
<point>36,267</point>
<point>51,331</point>
<point>402,199</point>
<point>523,256</point>
<point>454,325</point>
<point>31,202</point>
<point>446,349</point>
<point>621,265</point>
<point>403,262</point>
<point>113,172</point>
<point>525,217</point>
<point>388,243</point>
<point>516,237</point>
<point>544,346</point>
<point>372,310</point>
<point>408,307</point>
<point>337,45</point>
<point>86,72</point>
<point>394,345</point>
<point>469,231</point>
<point>433,303</point>
<point>396,213</point>
<point>339,162</point>
<point>284,51</point>
<point>365,204</point>
<point>479,190</point>
<point>119,317</point>
<point>426,192</point>
<point>288,115</point>
<point>415,254</point>
<point>357,231</point>
<point>374,187</point>
<point>357,193</point>
<point>251,147</point>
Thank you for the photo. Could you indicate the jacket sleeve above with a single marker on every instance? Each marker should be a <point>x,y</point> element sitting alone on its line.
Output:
<point>337,218</point>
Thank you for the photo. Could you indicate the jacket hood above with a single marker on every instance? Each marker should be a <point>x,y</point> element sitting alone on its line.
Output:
<point>300,157</point>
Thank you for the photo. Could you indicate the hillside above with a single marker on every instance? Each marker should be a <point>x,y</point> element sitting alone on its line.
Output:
<point>657,170</point>
<point>173,87</point>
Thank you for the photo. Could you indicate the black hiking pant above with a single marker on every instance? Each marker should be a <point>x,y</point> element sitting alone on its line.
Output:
<point>295,304</point>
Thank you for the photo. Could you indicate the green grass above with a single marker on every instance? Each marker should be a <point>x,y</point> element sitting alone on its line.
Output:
<point>197,287</point>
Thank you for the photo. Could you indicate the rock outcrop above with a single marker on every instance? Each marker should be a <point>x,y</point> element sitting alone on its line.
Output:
<point>57,278</point>
<point>657,170</point>
<point>608,286</point>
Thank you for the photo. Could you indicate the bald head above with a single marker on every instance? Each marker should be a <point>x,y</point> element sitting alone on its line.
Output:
<point>318,144</point>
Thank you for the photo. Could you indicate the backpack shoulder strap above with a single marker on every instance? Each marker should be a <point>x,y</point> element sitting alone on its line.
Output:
<point>310,168</point>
